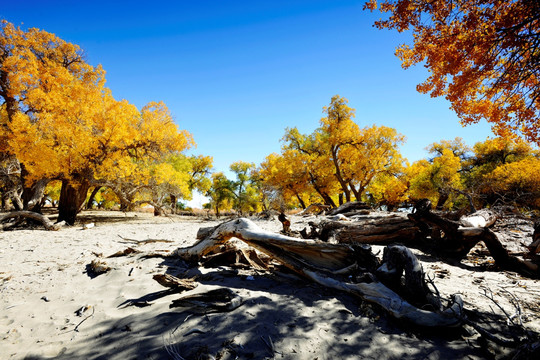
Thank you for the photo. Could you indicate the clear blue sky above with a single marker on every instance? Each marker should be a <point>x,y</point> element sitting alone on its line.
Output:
<point>237,73</point>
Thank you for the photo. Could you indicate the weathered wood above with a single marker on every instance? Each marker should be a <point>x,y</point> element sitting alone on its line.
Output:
<point>378,230</point>
<point>457,241</point>
<point>175,283</point>
<point>125,252</point>
<point>48,224</point>
<point>329,265</point>
<point>349,207</point>
<point>96,268</point>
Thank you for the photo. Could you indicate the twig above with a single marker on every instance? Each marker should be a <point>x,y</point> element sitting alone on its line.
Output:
<point>488,335</point>
<point>147,241</point>
<point>489,294</point>
<point>269,344</point>
<point>514,301</point>
<point>83,320</point>
<point>171,348</point>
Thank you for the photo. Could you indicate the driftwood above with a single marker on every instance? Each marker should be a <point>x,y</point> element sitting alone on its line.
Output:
<point>125,252</point>
<point>345,267</point>
<point>232,256</point>
<point>48,224</point>
<point>455,240</point>
<point>174,283</point>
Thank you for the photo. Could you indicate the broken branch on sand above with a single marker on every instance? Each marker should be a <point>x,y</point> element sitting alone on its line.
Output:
<point>346,267</point>
<point>23,214</point>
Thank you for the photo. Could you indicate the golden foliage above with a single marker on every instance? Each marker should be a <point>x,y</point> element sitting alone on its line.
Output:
<point>482,55</point>
<point>61,122</point>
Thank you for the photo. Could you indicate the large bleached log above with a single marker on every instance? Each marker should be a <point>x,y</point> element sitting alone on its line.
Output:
<point>336,266</point>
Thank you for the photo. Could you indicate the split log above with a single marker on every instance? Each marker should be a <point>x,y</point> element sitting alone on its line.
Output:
<point>334,265</point>
<point>48,224</point>
<point>376,229</point>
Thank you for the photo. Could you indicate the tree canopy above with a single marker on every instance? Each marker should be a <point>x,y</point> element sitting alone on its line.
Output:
<point>482,55</point>
<point>60,122</point>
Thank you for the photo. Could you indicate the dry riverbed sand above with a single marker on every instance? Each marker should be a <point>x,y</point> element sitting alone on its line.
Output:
<point>51,308</point>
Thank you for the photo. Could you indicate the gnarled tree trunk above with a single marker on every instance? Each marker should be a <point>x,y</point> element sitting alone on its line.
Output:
<point>72,197</point>
<point>90,202</point>
<point>32,195</point>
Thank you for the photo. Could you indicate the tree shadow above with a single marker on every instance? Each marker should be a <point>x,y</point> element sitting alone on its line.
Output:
<point>282,316</point>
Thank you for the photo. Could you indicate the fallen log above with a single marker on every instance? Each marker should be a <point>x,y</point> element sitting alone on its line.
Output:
<point>23,214</point>
<point>371,229</point>
<point>455,240</point>
<point>337,266</point>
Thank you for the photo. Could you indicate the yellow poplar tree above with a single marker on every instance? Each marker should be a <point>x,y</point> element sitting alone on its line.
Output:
<point>63,124</point>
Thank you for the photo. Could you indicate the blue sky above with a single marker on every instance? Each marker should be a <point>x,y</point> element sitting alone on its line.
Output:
<point>237,73</point>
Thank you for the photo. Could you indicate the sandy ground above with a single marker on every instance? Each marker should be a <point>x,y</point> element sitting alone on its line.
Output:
<point>44,283</point>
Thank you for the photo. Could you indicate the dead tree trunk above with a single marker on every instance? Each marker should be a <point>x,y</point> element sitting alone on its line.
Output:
<point>32,195</point>
<point>334,265</point>
<point>456,240</point>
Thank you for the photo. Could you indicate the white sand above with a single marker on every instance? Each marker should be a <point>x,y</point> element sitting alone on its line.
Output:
<point>43,282</point>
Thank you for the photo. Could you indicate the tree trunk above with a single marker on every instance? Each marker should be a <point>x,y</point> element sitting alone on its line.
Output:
<point>458,240</point>
<point>338,175</point>
<point>32,195</point>
<point>349,207</point>
<point>16,201</point>
<point>302,203</point>
<point>442,199</point>
<point>72,197</point>
<point>4,200</point>
<point>90,202</point>
<point>357,193</point>
<point>174,199</point>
